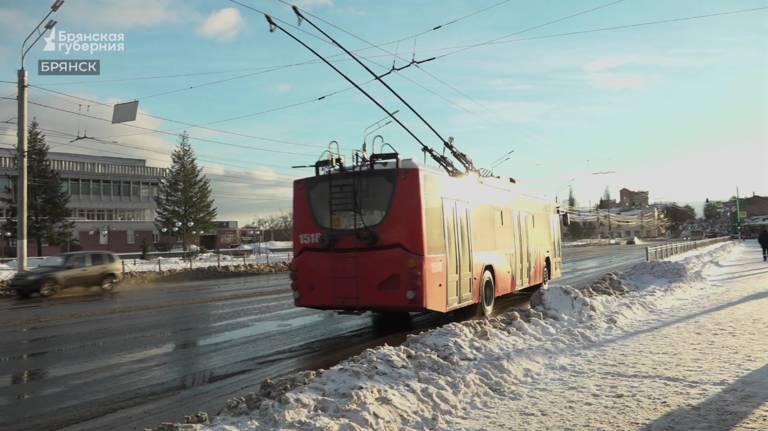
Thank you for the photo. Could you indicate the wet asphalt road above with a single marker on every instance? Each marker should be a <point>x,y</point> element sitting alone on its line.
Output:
<point>142,356</point>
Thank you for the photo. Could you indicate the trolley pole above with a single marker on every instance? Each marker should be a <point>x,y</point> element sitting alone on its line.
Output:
<point>21,183</point>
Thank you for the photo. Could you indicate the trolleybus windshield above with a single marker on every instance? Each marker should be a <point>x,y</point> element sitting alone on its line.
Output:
<point>350,201</point>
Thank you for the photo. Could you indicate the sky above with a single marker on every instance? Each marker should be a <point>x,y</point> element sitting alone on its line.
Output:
<point>677,108</point>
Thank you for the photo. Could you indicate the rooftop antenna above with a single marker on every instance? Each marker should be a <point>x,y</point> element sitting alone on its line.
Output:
<point>462,158</point>
<point>441,160</point>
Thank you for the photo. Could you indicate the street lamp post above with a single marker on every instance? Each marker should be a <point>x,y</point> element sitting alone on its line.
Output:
<point>21,122</point>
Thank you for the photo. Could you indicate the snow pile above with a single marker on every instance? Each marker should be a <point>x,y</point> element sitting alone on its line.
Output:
<point>203,260</point>
<point>412,386</point>
<point>462,367</point>
<point>618,298</point>
<point>268,246</point>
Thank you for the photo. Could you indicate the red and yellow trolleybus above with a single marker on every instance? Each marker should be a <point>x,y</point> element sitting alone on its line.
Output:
<point>394,235</point>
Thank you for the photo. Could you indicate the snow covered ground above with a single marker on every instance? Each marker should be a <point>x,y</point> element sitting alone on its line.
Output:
<point>266,252</point>
<point>203,260</point>
<point>680,344</point>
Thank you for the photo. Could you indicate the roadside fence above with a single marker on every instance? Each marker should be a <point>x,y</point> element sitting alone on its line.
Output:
<point>664,251</point>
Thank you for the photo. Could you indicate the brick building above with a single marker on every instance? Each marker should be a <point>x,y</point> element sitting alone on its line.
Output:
<point>754,205</point>
<point>633,199</point>
<point>111,198</point>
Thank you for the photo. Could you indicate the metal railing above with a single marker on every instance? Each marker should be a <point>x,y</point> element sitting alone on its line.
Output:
<point>664,251</point>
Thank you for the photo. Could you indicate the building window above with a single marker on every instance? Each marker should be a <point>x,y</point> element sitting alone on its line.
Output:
<point>153,191</point>
<point>74,187</point>
<point>106,188</point>
<point>110,214</point>
<point>64,185</point>
<point>85,187</point>
<point>90,214</point>
<point>100,215</point>
<point>155,237</point>
<point>103,238</point>
<point>126,189</point>
<point>96,187</point>
<point>116,188</point>
<point>144,190</point>
<point>134,189</point>
<point>131,237</point>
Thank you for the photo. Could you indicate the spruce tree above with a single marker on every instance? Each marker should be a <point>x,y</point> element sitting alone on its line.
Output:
<point>185,195</point>
<point>571,198</point>
<point>48,216</point>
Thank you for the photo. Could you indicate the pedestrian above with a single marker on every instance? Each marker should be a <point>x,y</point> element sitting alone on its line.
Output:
<point>763,240</point>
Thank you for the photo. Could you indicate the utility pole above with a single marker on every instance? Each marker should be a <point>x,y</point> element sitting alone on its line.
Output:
<point>738,211</point>
<point>21,182</point>
<point>21,123</point>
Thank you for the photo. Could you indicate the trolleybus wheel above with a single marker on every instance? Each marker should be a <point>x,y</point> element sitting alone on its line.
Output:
<point>487,295</point>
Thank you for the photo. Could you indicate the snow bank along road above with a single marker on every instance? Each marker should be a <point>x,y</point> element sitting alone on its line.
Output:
<point>143,356</point>
<point>672,345</point>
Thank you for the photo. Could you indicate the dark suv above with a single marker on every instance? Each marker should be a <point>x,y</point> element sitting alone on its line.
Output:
<point>83,268</point>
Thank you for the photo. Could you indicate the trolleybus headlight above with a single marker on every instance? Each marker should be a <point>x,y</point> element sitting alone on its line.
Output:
<point>410,294</point>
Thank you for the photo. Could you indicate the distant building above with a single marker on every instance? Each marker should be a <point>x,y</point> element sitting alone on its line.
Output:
<point>111,198</point>
<point>615,223</point>
<point>633,199</point>
<point>754,205</point>
<point>225,234</point>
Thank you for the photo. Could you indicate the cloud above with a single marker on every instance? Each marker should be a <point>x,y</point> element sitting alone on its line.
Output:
<point>613,62</point>
<point>310,4</point>
<point>15,21</point>
<point>283,88</point>
<point>61,127</point>
<point>241,194</point>
<point>222,25</point>
<point>602,73</point>
<point>505,112</point>
<point>121,14</point>
<point>246,194</point>
<point>617,81</point>
<point>505,84</point>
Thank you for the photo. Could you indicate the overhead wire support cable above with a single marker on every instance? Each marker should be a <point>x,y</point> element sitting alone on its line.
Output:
<point>461,157</point>
<point>440,159</point>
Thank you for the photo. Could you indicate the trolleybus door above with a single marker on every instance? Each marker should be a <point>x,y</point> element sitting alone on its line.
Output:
<point>465,252</point>
<point>522,241</point>
<point>457,252</point>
